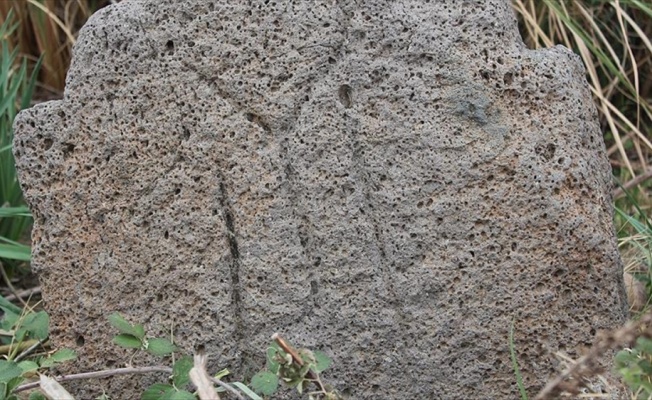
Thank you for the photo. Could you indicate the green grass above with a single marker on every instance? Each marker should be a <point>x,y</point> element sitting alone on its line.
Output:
<point>16,90</point>
<point>517,371</point>
<point>634,365</point>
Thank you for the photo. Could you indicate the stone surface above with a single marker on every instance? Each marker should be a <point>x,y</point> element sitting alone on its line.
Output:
<point>393,182</point>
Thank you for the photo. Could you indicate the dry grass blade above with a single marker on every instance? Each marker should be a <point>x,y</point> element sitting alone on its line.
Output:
<point>55,19</point>
<point>201,380</point>
<point>587,364</point>
<point>535,33</point>
<point>632,59</point>
<point>49,28</point>
<point>53,389</point>
<point>613,39</point>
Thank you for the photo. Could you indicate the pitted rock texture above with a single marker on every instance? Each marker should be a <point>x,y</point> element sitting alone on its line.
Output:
<point>392,182</point>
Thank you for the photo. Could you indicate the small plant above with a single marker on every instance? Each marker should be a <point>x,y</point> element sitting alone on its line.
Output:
<point>22,332</point>
<point>635,367</point>
<point>634,364</point>
<point>295,368</point>
<point>133,337</point>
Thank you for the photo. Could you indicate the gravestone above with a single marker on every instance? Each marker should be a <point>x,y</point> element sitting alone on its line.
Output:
<point>392,182</point>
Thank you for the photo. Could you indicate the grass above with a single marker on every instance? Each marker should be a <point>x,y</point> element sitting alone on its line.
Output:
<point>517,371</point>
<point>48,29</point>
<point>613,39</point>
<point>16,90</point>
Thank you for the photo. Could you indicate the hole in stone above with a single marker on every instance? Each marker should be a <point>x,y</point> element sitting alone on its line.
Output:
<point>344,93</point>
<point>80,340</point>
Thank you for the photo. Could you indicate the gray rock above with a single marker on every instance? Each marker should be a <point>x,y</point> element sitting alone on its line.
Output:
<point>393,182</point>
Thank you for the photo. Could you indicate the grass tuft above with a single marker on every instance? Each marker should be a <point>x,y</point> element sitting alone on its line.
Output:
<point>16,90</point>
<point>613,39</point>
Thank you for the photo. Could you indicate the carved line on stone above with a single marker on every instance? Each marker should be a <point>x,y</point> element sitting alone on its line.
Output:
<point>364,177</point>
<point>234,267</point>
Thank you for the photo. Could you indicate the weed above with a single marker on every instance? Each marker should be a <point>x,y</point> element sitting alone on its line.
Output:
<point>22,332</point>
<point>295,368</point>
<point>26,331</point>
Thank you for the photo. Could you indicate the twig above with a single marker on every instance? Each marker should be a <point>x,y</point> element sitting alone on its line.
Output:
<point>630,184</point>
<point>11,287</point>
<point>296,358</point>
<point>24,293</point>
<point>8,348</point>
<point>199,377</point>
<point>228,387</point>
<point>626,334</point>
<point>99,374</point>
<point>29,350</point>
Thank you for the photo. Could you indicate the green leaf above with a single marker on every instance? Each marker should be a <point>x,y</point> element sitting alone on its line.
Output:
<point>58,357</point>
<point>222,373</point>
<point>15,252</point>
<point>179,395</point>
<point>10,320</point>
<point>37,324</point>
<point>9,370</point>
<point>103,396</point>
<point>14,383</point>
<point>180,371</point>
<point>8,306</point>
<point>157,391</point>
<point>28,366</point>
<point>250,393</point>
<point>644,345</point>
<point>322,360</point>
<point>272,351</point>
<point>47,363</point>
<point>64,355</point>
<point>264,383</point>
<point>123,326</point>
<point>128,341</point>
<point>160,347</point>
<point>20,211</point>
<point>139,331</point>
<point>37,396</point>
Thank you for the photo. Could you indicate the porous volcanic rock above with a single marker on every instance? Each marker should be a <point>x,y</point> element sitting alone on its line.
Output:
<point>392,182</point>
